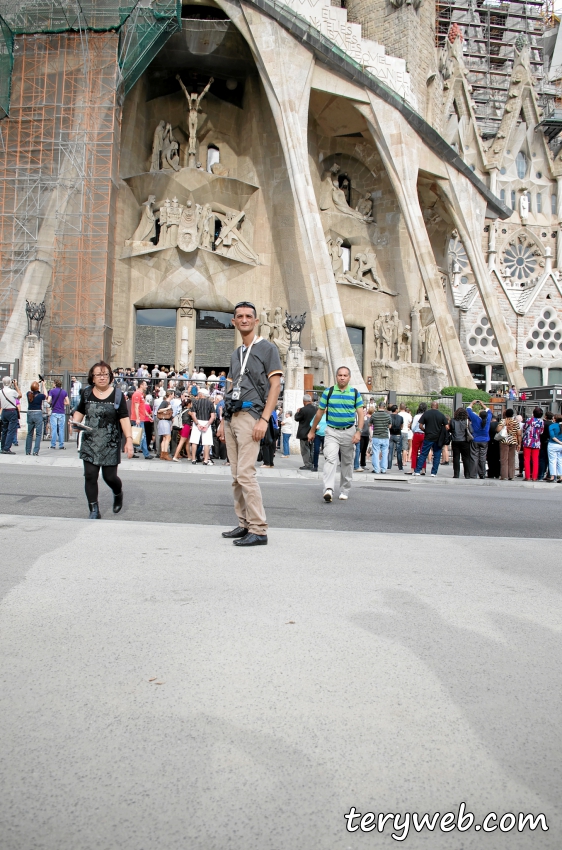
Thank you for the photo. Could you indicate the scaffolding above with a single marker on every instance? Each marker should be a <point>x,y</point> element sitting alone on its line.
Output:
<point>63,70</point>
<point>490,30</point>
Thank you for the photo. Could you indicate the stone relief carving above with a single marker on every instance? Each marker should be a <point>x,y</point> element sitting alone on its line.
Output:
<point>165,149</point>
<point>190,226</point>
<point>230,242</point>
<point>399,3</point>
<point>332,197</point>
<point>430,345</point>
<point>363,272</point>
<point>365,206</point>
<point>275,331</point>
<point>524,207</point>
<point>393,339</point>
<point>146,229</point>
<point>194,108</point>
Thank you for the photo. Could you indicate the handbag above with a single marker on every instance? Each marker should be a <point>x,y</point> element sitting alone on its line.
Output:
<point>469,434</point>
<point>178,420</point>
<point>136,432</point>
<point>500,436</point>
<point>166,413</point>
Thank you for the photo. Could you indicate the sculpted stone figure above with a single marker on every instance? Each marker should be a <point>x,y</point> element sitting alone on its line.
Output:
<point>206,227</point>
<point>365,206</point>
<point>340,202</point>
<point>265,328</point>
<point>174,212</point>
<point>170,150</point>
<point>163,219</point>
<point>367,265</point>
<point>219,170</point>
<point>335,251</point>
<point>157,146</point>
<point>405,352</point>
<point>187,233</point>
<point>194,107</point>
<point>327,186</point>
<point>146,229</point>
<point>524,208</point>
<point>230,242</point>
<point>278,324</point>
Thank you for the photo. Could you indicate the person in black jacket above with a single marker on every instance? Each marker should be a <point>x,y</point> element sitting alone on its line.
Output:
<point>461,437</point>
<point>304,416</point>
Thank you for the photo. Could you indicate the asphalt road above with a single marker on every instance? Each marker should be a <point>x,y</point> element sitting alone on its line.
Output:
<point>405,506</point>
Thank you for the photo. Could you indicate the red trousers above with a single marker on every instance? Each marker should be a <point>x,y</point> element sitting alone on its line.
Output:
<point>531,461</point>
<point>417,441</point>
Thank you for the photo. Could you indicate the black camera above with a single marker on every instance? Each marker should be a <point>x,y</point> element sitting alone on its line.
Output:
<point>231,407</point>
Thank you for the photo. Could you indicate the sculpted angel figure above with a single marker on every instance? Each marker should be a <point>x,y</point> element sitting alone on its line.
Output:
<point>146,229</point>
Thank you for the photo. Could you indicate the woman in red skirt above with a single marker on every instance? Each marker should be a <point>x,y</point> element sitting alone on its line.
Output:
<point>418,437</point>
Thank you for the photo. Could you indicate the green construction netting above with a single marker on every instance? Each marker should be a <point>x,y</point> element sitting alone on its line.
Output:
<point>6,62</point>
<point>143,29</point>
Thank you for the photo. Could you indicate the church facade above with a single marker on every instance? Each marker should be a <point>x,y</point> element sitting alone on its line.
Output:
<point>311,158</point>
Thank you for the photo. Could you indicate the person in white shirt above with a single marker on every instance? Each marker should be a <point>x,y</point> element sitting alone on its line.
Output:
<point>418,436</point>
<point>8,405</point>
<point>212,379</point>
<point>286,431</point>
<point>195,375</point>
<point>201,378</point>
<point>156,372</point>
<point>406,423</point>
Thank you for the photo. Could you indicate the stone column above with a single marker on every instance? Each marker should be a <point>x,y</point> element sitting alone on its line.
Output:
<point>415,325</point>
<point>399,148</point>
<point>285,67</point>
<point>559,216</point>
<point>294,389</point>
<point>467,209</point>
<point>185,340</point>
<point>488,369</point>
<point>545,376</point>
<point>31,368</point>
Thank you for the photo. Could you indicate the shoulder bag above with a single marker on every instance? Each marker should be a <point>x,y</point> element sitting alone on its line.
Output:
<point>469,434</point>
<point>501,434</point>
<point>165,413</point>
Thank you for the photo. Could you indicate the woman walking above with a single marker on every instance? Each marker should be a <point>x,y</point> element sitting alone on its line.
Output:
<point>461,437</point>
<point>165,415</point>
<point>555,450</point>
<point>509,444</point>
<point>35,401</point>
<point>418,436</point>
<point>532,431</point>
<point>185,428</point>
<point>493,453</point>
<point>105,409</point>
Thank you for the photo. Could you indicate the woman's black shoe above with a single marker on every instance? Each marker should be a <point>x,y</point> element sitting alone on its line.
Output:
<point>236,532</point>
<point>252,540</point>
<point>94,510</point>
<point>117,502</point>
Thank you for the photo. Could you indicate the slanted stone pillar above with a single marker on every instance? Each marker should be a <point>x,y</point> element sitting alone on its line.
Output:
<point>559,216</point>
<point>398,147</point>
<point>467,209</point>
<point>285,67</point>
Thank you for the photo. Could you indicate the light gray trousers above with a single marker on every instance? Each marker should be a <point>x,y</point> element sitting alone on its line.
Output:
<point>334,443</point>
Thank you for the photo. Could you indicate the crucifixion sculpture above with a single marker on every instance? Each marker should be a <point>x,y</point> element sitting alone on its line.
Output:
<point>35,314</point>
<point>194,107</point>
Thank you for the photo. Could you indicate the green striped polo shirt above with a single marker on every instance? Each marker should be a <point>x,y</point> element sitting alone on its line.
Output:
<point>341,407</point>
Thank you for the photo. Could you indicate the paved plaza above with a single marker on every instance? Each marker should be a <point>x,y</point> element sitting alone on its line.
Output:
<point>162,689</point>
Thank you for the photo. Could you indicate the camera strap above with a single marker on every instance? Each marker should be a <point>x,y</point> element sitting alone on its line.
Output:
<point>244,362</point>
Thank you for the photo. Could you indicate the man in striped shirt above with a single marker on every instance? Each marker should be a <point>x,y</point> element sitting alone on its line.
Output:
<point>344,420</point>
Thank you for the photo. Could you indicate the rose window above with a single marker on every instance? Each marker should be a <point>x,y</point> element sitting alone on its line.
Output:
<point>482,337</point>
<point>546,335</point>
<point>520,261</point>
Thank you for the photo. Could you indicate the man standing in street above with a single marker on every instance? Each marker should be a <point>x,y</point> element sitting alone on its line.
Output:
<point>381,422</point>
<point>9,409</point>
<point>481,433</point>
<point>58,399</point>
<point>304,417</point>
<point>139,416</point>
<point>395,440</point>
<point>343,405</point>
<point>253,382</point>
<point>202,417</point>
<point>432,422</point>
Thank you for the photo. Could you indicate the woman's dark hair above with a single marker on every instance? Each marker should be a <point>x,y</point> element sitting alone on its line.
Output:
<point>461,414</point>
<point>508,413</point>
<point>102,365</point>
<point>549,415</point>
<point>537,412</point>
<point>422,407</point>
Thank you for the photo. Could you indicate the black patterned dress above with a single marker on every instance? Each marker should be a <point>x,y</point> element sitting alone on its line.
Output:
<point>102,445</point>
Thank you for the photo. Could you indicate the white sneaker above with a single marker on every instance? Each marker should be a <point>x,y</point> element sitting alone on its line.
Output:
<point>417,473</point>
<point>328,496</point>
<point>343,497</point>
<point>433,475</point>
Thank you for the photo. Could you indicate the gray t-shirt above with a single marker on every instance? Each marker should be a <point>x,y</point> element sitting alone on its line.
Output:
<point>8,398</point>
<point>263,363</point>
